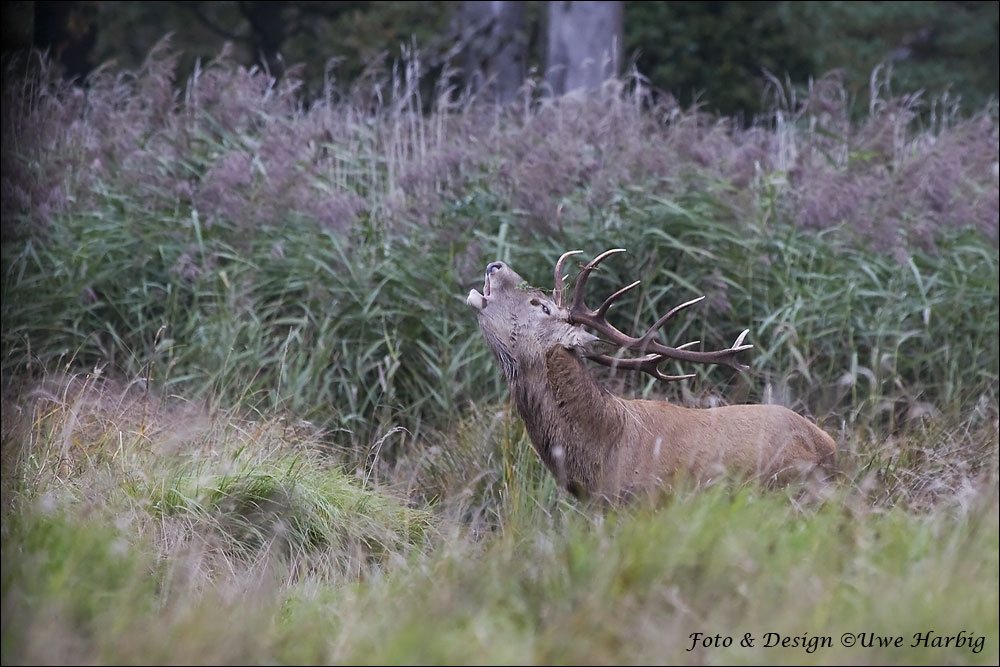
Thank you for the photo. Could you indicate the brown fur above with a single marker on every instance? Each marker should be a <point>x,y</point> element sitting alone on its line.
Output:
<point>599,444</point>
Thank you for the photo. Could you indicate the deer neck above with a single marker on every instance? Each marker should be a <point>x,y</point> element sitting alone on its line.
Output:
<point>575,425</point>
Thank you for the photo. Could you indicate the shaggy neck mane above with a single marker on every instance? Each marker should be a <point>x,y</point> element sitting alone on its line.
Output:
<point>572,421</point>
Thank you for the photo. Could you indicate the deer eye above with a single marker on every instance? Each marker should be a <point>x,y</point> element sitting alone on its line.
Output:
<point>536,302</point>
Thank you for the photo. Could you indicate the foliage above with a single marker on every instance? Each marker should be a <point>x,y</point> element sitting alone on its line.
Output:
<point>718,53</point>
<point>721,53</point>
<point>233,244</point>
<point>342,37</point>
<point>935,47</point>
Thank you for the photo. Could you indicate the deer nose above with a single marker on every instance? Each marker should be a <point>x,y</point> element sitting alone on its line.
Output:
<point>493,268</point>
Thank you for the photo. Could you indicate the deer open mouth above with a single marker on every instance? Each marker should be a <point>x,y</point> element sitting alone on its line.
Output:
<point>480,301</point>
<point>477,300</point>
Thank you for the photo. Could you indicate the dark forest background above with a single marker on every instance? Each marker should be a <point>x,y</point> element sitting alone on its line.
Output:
<point>719,54</point>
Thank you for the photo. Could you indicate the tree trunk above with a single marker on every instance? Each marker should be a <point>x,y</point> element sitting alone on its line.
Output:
<point>495,47</point>
<point>69,31</point>
<point>584,44</point>
<point>268,33</point>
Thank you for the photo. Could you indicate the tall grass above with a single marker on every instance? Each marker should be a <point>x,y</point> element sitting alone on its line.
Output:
<point>136,531</point>
<point>370,337</point>
<point>190,239</point>
<point>248,417</point>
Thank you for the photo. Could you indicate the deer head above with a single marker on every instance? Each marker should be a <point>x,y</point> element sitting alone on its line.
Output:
<point>520,323</point>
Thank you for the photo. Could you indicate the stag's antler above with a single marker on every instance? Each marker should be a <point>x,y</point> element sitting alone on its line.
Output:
<point>579,313</point>
<point>557,290</point>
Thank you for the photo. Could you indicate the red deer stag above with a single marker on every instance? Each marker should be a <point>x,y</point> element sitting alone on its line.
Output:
<point>598,444</point>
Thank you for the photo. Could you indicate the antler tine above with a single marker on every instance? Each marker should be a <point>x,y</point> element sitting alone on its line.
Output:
<point>722,357</point>
<point>557,290</point>
<point>581,280</point>
<point>607,302</point>
<point>647,364</point>
<point>648,336</point>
